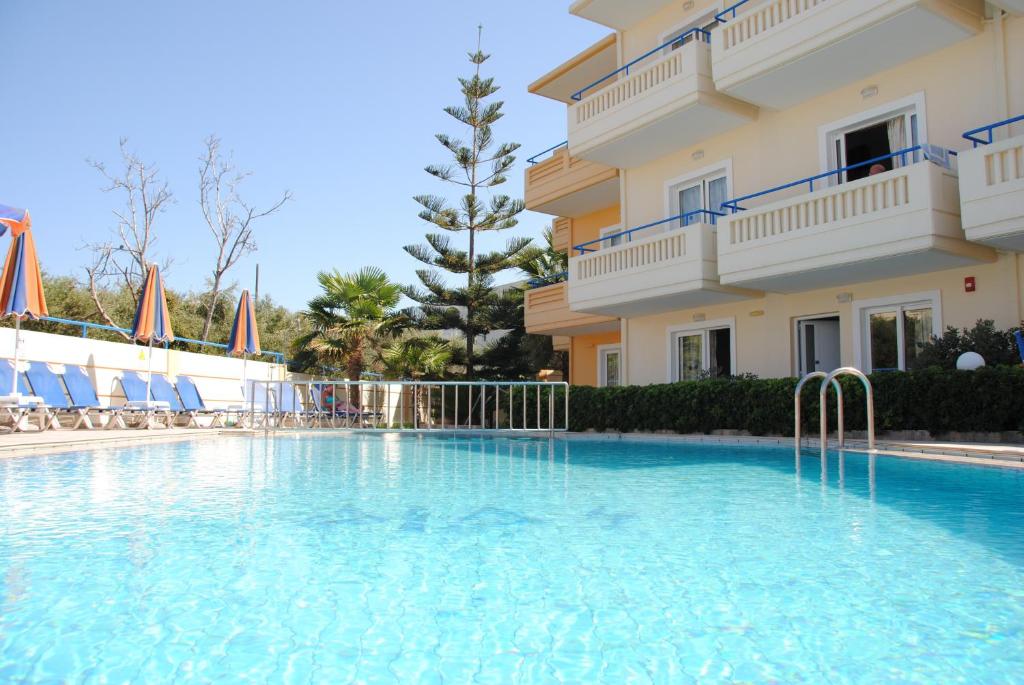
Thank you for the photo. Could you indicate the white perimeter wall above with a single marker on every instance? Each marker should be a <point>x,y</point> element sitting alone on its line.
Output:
<point>218,377</point>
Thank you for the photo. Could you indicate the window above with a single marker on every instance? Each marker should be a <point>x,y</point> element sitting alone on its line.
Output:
<point>610,230</point>
<point>706,22</point>
<point>705,192</point>
<point>701,351</point>
<point>870,135</point>
<point>894,331</point>
<point>609,360</point>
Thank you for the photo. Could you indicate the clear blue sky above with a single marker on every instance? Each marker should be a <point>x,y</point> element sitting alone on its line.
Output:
<point>336,101</point>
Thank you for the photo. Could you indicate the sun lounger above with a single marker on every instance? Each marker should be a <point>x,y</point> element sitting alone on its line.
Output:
<point>19,409</point>
<point>82,394</point>
<point>49,386</point>
<point>135,393</point>
<point>193,404</point>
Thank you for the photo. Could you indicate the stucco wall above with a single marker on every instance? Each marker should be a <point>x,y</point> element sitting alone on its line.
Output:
<point>959,93</point>
<point>583,356</point>
<point>765,327</point>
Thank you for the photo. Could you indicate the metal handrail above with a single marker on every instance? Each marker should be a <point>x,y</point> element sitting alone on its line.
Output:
<point>823,409</point>
<point>720,17</point>
<point>578,95</point>
<point>796,405</point>
<point>495,404</point>
<point>734,205</point>
<point>87,325</point>
<point>533,160</point>
<point>990,130</point>
<point>685,218</point>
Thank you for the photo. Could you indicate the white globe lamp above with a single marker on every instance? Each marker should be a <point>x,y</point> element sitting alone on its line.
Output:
<point>969,361</point>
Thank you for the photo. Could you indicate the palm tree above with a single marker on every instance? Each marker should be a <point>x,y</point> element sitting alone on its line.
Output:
<point>545,265</point>
<point>417,357</point>
<point>355,314</point>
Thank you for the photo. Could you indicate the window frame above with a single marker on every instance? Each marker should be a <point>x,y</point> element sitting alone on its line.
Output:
<point>862,309</point>
<point>673,185</point>
<point>828,134</point>
<point>608,230</point>
<point>673,333</point>
<point>602,368</point>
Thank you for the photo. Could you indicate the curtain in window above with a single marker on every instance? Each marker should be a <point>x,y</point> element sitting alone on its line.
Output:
<point>897,133</point>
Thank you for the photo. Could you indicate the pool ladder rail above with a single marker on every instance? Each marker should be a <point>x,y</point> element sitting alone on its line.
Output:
<point>832,379</point>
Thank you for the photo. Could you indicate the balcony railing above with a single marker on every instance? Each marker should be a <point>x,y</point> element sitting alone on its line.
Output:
<point>913,154</point>
<point>686,219</point>
<point>694,34</point>
<point>536,157</point>
<point>989,131</point>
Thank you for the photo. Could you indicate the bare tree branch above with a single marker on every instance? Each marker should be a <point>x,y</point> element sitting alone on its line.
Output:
<point>126,259</point>
<point>230,219</point>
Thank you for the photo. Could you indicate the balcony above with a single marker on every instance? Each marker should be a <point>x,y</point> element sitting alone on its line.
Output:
<point>896,223</point>
<point>777,53</point>
<point>617,14</point>
<point>567,186</point>
<point>992,189</point>
<point>547,313</point>
<point>657,268</point>
<point>652,106</point>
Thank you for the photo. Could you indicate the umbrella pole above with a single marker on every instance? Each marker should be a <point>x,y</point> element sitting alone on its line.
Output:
<point>245,359</point>
<point>149,375</point>
<point>17,338</point>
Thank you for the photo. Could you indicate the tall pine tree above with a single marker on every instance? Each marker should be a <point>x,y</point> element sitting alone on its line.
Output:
<point>477,167</point>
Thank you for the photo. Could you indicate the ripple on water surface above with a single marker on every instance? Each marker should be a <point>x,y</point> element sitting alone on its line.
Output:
<point>429,560</point>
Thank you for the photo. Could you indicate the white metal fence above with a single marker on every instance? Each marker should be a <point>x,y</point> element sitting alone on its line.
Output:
<point>408,405</point>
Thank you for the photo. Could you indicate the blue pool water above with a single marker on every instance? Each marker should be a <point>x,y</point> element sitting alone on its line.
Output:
<point>380,559</point>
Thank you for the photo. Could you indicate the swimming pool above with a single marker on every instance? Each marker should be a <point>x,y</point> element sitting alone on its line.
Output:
<point>428,559</point>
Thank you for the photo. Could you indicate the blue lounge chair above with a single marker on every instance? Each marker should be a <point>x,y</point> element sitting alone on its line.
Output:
<point>135,392</point>
<point>18,411</point>
<point>49,386</point>
<point>194,406</point>
<point>82,394</point>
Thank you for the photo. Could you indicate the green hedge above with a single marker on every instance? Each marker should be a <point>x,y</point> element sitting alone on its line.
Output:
<point>987,400</point>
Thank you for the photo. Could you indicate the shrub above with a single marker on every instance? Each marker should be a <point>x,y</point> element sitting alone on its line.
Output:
<point>989,399</point>
<point>998,348</point>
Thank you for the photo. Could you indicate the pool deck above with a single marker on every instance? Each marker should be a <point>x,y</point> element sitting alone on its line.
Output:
<point>55,441</point>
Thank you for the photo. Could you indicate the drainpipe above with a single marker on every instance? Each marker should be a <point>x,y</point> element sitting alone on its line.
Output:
<point>999,64</point>
<point>624,350</point>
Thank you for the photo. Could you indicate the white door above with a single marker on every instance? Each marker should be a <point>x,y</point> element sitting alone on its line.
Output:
<point>819,345</point>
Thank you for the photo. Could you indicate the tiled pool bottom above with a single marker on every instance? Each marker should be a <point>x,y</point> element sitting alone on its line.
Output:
<point>488,560</point>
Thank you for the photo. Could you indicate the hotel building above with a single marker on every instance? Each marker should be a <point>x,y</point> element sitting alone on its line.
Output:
<point>781,186</point>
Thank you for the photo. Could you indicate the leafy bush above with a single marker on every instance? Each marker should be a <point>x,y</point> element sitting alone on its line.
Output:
<point>998,348</point>
<point>936,400</point>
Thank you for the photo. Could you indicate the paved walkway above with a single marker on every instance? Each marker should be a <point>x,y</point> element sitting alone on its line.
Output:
<point>52,441</point>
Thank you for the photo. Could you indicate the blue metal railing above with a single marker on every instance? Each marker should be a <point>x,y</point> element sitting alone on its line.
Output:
<point>685,219</point>
<point>533,160</point>
<point>698,34</point>
<point>734,204</point>
<point>720,17</point>
<point>541,281</point>
<point>86,326</point>
<point>990,130</point>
